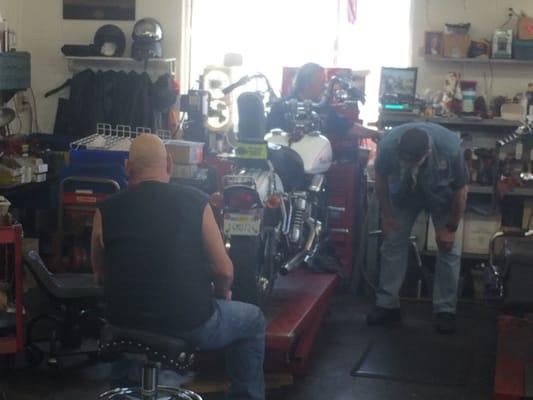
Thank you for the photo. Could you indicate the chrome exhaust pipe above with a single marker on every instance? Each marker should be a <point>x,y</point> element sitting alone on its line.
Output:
<point>309,251</point>
<point>293,263</point>
<point>313,245</point>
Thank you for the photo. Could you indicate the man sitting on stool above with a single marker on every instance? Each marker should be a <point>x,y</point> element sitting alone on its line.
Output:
<point>158,252</point>
<point>419,166</point>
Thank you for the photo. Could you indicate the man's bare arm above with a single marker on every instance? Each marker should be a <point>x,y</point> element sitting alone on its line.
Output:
<point>97,249</point>
<point>361,132</point>
<point>221,264</point>
<point>458,206</point>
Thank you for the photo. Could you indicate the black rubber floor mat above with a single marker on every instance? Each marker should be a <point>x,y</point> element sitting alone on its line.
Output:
<point>434,360</point>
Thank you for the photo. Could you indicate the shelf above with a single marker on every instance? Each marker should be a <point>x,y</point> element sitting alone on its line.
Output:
<point>483,61</point>
<point>155,66</point>
<point>517,191</point>
<point>466,256</point>
<point>398,118</point>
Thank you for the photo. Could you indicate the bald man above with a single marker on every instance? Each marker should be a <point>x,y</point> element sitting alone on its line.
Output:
<point>157,250</point>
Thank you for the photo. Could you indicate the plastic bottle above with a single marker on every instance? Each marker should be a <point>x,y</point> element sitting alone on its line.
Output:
<point>529,99</point>
<point>468,89</point>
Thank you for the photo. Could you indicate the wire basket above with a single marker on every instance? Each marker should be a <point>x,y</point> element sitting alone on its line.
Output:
<point>117,138</point>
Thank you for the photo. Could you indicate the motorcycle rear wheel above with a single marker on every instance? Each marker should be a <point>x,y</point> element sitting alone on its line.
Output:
<point>243,253</point>
<point>254,266</point>
<point>268,268</point>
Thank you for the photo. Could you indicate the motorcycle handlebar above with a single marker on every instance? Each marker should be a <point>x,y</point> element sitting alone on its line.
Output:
<point>523,130</point>
<point>247,78</point>
<point>328,93</point>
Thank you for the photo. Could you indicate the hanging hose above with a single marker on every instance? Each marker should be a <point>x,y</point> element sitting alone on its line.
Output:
<point>361,255</point>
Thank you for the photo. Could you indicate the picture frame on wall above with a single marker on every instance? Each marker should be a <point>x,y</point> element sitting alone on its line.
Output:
<point>122,10</point>
<point>434,44</point>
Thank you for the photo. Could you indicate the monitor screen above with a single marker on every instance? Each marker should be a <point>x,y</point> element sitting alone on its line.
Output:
<point>397,88</point>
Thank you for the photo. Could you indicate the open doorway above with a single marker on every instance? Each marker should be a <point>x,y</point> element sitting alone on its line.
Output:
<point>272,34</point>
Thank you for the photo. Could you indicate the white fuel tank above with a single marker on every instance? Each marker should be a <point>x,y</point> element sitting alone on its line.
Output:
<point>314,149</point>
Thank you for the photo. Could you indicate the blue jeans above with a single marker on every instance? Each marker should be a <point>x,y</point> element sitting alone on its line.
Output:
<point>394,252</point>
<point>238,327</point>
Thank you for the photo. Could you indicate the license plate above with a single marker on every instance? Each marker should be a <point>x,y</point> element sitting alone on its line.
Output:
<point>242,224</point>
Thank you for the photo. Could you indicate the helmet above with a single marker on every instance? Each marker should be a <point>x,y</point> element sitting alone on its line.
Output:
<point>142,51</point>
<point>147,30</point>
<point>110,41</point>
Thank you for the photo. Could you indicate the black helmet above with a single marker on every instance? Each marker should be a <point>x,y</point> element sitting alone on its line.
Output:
<point>143,51</point>
<point>147,30</point>
<point>110,41</point>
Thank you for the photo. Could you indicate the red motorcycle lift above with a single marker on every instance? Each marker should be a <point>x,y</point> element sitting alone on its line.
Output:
<point>294,313</point>
<point>513,378</point>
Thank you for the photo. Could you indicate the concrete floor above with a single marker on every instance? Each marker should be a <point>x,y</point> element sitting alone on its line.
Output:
<point>343,340</point>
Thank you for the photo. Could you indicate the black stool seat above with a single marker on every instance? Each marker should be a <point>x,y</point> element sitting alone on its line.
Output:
<point>63,286</point>
<point>156,351</point>
<point>170,352</point>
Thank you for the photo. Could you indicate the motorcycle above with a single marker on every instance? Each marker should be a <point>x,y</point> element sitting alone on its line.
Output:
<point>273,207</point>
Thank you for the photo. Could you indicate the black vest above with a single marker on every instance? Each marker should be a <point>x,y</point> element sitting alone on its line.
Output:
<point>157,272</point>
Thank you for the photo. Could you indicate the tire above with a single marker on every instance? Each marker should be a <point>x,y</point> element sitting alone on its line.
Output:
<point>34,356</point>
<point>268,267</point>
<point>244,253</point>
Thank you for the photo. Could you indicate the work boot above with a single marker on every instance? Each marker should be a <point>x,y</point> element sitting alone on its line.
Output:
<point>445,324</point>
<point>382,316</point>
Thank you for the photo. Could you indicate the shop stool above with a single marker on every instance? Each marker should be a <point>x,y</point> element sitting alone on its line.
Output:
<point>155,351</point>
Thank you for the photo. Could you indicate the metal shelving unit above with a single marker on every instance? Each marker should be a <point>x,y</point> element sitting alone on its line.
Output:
<point>517,191</point>
<point>11,236</point>
<point>155,67</point>
<point>466,256</point>
<point>397,118</point>
<point>482,61</point>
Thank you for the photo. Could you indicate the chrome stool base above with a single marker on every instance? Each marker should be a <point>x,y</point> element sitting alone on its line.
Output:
<point>149,389</point>
<point>162,393</point>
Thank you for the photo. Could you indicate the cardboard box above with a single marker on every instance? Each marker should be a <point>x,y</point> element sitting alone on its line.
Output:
<point>478,230</point>
<point>456,46</point>
<point>185,171</point>
<point>525,28</point>
<point>432,239</point>
<point>185,152</point>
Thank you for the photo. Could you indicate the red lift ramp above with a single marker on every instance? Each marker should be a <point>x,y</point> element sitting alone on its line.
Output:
<point>294,313</point>
<point>514,359</point>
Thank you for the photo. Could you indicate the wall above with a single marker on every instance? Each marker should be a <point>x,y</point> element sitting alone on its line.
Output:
<point>42,31</point>
<point>485,16</point>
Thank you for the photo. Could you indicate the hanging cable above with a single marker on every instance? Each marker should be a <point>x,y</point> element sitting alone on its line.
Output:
<point>35,111</point>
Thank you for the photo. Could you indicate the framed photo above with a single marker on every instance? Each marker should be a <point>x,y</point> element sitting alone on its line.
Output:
<point>99,9</point>
<point>434,44</point>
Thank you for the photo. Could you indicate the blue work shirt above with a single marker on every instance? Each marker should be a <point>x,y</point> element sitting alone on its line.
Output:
<point>439,177</point>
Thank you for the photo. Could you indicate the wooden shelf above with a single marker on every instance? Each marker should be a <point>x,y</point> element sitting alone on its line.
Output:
<point>482,61</point>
